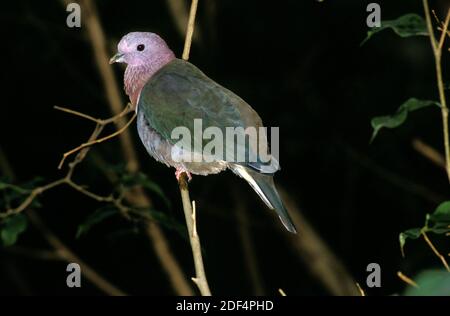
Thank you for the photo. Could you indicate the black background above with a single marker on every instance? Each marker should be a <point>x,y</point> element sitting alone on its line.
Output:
<point>300,65</point>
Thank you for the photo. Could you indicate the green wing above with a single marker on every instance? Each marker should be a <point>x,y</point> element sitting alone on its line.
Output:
<point>179,93</point>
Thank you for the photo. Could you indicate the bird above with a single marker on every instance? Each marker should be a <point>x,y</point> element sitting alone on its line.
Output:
<point>167,92</point>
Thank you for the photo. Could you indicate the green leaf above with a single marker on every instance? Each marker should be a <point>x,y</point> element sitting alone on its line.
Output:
<point>405,26</point>
<point>412,233</point>
<point>95,218</point>
<point>11,228</point>
<point>442,213</point>
<point>440,220</point>
<point>397,119</point>
<point>431,283</point>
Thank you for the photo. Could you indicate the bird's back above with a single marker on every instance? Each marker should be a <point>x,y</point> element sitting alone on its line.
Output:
<point>179,93</point>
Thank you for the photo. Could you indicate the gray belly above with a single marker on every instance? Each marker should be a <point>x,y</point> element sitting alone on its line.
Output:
<point>161,150</point>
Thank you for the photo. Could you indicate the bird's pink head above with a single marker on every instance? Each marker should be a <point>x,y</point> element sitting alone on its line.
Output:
<point>141,48</point>
<point>144,53</point>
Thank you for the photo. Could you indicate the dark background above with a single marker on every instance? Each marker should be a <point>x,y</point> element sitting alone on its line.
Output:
<point>300,65</point>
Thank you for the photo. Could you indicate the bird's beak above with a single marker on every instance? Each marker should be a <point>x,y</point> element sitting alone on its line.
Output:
<point>117,58</point>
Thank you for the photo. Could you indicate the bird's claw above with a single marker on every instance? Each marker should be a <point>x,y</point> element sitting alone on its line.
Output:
<point>178,173</point>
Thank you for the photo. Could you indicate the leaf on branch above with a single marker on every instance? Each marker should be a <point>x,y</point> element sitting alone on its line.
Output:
<point>438,222</point>
<point>399,117</point>
<point>412,233</point>
<point>95,218</point>
<point>430,283</point>
<point>440,219</point>
<point>405,26</point>
<point>11,228</point>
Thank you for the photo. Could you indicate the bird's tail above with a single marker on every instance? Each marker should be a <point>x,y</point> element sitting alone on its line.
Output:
<point>265,187</point>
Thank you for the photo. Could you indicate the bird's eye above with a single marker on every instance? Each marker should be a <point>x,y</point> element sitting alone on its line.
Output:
<point>140,47</point>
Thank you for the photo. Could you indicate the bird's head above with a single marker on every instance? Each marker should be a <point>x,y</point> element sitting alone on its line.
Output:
<point>141,48</point>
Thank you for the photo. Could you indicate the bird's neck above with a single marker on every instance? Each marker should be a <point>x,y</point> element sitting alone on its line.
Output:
<point>137,76</point>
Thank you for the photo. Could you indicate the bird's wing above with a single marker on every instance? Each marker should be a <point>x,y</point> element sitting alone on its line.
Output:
<point>179,93</point>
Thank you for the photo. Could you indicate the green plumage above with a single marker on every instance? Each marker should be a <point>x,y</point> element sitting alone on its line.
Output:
<point>178,94</point>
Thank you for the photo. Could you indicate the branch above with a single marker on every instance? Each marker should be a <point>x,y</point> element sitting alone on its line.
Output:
<point>282,293</point>
<point>429,152</point>
<point>99,128</point>
<point>188,207</point>
<point>406,279</point>
<point>360,289</point>
<point>180,15</point>
<point>191,223</point>
<point>190,30</point>
<point>437,51</point>
<point>67,179</point>
<point>436,252</point>
<point>30,198</point>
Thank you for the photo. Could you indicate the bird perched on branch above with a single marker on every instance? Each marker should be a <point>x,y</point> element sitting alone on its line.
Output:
<point>170,93</point>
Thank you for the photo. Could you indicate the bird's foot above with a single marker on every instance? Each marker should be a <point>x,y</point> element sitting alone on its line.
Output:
<point>180,171</point>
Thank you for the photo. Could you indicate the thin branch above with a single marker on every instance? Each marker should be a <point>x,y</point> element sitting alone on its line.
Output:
<point>128,108</point>
<point>67,179</point>
<point>429,152</point>
<point>180,15</point>
<point>96,141</point>
<point>93,196</point>
<point>429,25</point>
<point>406,279</point>
<point>191,223</point>
<point>360,289</point>
<point>436,252</point>
<point>188,208</point>
<point>76,113</point>
<point>190,29</point>
<point>101,123</point>
<point>437,51</point>
<point>30,198</point>
<point>444,31</point>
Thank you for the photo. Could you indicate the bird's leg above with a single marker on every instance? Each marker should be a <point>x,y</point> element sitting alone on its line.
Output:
<point>179,171</point>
